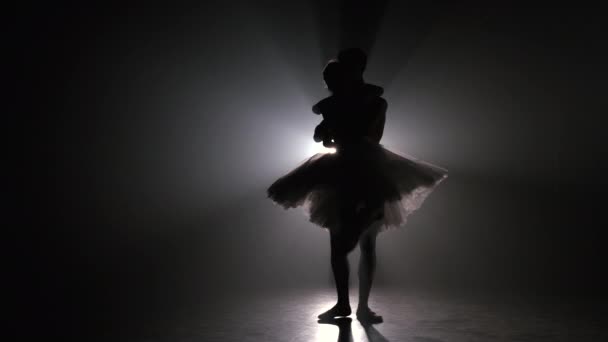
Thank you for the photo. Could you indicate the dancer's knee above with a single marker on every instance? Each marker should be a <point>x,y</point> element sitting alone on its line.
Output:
<point>367,242</point>
<point>343,244</point>
<point>367,247</point>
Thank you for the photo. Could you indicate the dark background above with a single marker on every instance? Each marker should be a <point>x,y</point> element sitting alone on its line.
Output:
<point>148,135</point>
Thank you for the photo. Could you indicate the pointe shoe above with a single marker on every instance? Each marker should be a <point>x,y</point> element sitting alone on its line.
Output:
<point>366,315</point>
<point>336,311</point>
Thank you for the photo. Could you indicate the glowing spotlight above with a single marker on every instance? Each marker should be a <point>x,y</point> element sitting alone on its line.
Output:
<point>319,148</point>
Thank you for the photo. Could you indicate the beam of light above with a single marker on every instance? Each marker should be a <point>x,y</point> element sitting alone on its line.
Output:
<point>326,332</point>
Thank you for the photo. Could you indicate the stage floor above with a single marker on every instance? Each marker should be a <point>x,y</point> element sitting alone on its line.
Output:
<point>420,317</point>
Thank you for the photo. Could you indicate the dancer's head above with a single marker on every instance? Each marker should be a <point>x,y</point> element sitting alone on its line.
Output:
<point>334,76</point>
<point>354,61</point>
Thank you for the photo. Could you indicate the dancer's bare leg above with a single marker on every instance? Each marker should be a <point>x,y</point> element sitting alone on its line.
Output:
<point>367,268</point>
<point>341,244</point>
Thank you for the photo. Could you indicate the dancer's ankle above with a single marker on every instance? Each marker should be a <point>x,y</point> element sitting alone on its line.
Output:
<point>363,307</point>
<point>343,304</point>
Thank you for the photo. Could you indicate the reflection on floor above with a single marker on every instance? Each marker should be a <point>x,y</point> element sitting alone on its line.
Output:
<point>292,316</point>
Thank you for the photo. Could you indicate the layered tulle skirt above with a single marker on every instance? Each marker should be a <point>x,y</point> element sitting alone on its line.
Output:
<point>360,176</point>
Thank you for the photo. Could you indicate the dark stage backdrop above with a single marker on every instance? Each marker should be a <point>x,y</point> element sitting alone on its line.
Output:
<point>151,134</point>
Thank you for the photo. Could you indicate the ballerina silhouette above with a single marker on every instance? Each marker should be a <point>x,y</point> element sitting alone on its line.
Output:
<point>360,190</point>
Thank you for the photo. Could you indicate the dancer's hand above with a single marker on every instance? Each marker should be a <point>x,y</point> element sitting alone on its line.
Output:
<point>321,133</point>
<point>316,109</point>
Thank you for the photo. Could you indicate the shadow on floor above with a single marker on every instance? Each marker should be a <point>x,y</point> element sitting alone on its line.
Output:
<point>345,333</point>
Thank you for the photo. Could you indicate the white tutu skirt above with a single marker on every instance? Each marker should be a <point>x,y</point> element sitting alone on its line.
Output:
<point>360,176</point>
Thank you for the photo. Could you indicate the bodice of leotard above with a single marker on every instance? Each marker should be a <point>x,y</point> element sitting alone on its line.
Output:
<point>350,119</point>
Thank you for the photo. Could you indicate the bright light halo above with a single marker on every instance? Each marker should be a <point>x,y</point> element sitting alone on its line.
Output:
<point>319,148</point>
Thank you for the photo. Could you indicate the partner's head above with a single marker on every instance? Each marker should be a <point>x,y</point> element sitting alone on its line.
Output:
<point>333,75</point>
<point>354,60</point>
